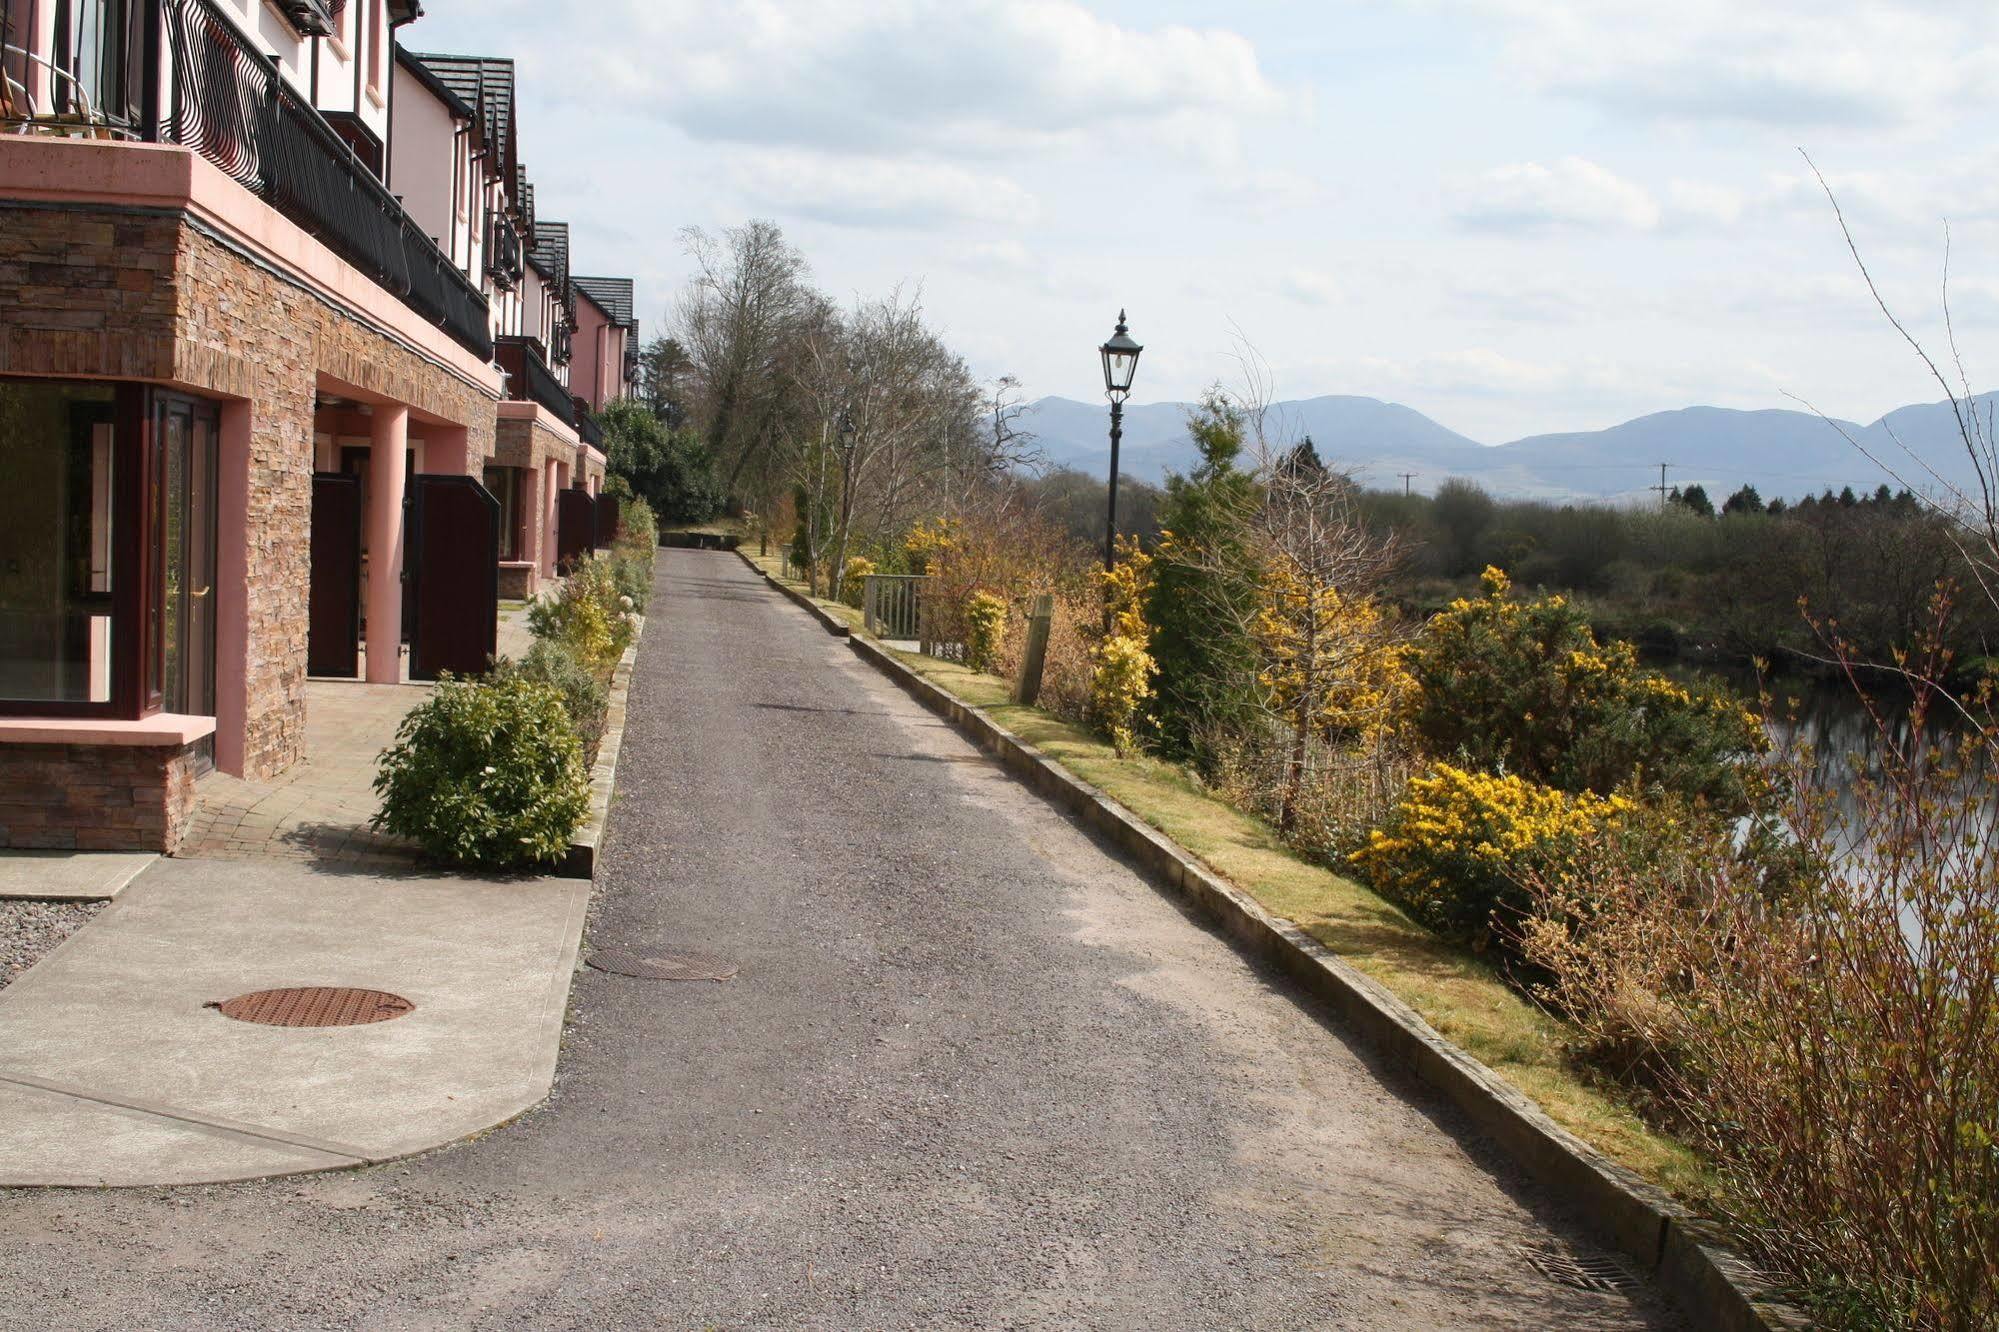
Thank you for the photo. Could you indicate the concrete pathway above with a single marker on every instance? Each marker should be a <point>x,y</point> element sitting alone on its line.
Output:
<point>114,1071</point>
<point>972,1073</point>
<point>69,876</point>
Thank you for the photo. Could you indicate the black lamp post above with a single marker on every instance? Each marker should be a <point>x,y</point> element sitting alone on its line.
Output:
<point>844,428</point>
<point>1120,364</point>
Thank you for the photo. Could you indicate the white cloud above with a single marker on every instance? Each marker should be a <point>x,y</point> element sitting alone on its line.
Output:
<point>1309,286</point>
<point>1574,192</point>
<point>895,76</point>
<point>873,192</point>
<point>1794,64</point>
<point>1700,201</point>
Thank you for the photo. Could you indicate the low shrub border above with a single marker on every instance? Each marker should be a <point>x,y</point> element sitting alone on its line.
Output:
<point>1675,1247</point>
<point>580,862</point>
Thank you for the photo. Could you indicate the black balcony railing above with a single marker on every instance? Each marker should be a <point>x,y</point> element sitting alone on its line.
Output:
<point>228,102</point>
<point>530,380</point>
<point>88,80</point>
<point>589,431</point>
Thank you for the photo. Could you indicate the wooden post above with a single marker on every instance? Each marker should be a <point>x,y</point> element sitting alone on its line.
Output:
<point>869,587</point>
<point>1028,689</point>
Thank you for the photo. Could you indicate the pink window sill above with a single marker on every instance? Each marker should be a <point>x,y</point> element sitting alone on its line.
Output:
<point>161,729</point>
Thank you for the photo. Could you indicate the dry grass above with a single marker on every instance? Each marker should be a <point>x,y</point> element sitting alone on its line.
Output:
<point>1454,990</point>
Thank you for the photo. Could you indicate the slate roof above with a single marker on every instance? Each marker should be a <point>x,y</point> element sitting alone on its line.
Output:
<point>485,82</point>
<point>550,251</point>
<point>614,295</point>
<point>443,91</point>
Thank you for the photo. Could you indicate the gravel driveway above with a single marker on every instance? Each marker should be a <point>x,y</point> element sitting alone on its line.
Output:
<point>30,931</point>
<point>972,1073</point>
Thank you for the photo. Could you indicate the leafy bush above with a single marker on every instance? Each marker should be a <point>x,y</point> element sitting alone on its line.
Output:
<point>588,614</point>
<point>671,470</point>
<point>1457,848</point>
<point>985,627</point>
<point>1524,687</point>
<point>853,586</point>
<point>585,698</point>
<point>1121,682</point>
<point>485,773</point>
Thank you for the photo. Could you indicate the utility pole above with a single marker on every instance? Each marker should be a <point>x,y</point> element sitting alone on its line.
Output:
<point>1407,477</point>
<point>1661,487</point>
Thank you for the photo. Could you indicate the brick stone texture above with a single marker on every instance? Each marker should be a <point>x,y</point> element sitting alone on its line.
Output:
<point>154,296</point>
<point>96,797</point>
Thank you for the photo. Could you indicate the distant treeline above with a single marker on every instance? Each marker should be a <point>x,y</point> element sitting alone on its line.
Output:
<point>1684,578</point>
<point>1747,580</point>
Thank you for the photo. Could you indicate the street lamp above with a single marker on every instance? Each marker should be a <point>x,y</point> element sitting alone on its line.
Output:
<point>844,428</point>
<point>1120,364</point>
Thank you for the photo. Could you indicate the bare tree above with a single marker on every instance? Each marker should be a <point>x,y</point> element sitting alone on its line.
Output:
<point>737,319</point>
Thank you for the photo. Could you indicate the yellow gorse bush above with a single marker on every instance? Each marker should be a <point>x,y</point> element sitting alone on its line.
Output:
<point>1460,841</point>
<point>985,627</point>
<point>854,584</point>
<point>1122,665</point>
<point>1331,654</point>
<point>927,542</point>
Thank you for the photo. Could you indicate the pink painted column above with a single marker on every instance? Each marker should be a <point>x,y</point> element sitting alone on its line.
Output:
<point>232,588</point>
<point>529,538</point>
<point>388,440</point>
<point>551,483</point>
<point>446,449</point>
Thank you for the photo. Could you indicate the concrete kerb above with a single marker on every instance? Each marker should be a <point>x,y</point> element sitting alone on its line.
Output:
<point>581,860</point>
<point>1681,1252</point>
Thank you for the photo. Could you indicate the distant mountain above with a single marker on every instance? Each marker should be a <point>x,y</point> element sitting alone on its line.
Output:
<point>1784,453</point>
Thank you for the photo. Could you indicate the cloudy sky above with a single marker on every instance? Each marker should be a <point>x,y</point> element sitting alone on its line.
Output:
<point>1513,215</point>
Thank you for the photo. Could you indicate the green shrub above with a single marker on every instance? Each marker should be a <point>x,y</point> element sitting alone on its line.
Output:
<point>588,615</point>
<point>585,698</point>
<point>485,773</point>
<point>637,526</point>
<point>1524,687</point>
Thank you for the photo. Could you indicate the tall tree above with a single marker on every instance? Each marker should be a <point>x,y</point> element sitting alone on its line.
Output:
<point>1203,588</point>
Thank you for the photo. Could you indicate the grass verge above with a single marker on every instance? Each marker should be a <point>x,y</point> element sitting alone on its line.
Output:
<point>1454,990</point>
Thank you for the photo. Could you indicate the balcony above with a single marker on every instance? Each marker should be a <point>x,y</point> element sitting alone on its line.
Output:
<point>530,380</point>
<point>180,72</point>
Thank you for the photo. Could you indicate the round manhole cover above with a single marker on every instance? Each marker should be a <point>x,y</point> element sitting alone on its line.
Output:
<point>315,1006</point>
<point>663,966</point>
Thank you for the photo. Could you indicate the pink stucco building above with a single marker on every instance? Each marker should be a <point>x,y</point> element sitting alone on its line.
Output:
<point>284,388</point>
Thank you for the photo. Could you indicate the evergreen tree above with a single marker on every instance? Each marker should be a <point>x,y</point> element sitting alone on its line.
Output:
<point>1203,579</point>
<point>1695,498</point>
<point>1745,500</point>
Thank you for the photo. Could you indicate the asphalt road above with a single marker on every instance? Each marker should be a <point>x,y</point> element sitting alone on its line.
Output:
<point>972,1073</point>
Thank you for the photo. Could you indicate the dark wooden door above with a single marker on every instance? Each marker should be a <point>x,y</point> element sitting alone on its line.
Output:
<point>575,526</point>
<point>333,629</point>
<point>453,568</point>
<point>607,520</point>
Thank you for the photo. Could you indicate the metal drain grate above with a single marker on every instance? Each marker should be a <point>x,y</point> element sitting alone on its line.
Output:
<point>663,966</point>
<point>314,1006</point>
<point>1583,1271</point>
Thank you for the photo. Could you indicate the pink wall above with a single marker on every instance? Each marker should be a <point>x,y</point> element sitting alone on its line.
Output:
<point>423,159</point>
<point>587,352</point>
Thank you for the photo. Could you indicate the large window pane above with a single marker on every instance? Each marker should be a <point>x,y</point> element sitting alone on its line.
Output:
<point>504,485</point>
<point>57,459</point>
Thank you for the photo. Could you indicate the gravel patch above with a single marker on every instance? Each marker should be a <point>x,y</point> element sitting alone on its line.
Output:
<point>29,931</point>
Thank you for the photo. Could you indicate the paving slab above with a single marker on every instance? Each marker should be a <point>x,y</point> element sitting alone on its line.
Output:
<point>68,876</point>
<point>115,1071</point>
